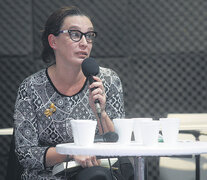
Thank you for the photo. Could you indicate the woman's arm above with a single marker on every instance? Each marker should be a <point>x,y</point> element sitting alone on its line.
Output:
<point>52,157</point>
<point>29,153</point>
<point>110,95</point>
<point>106,122</point>
<point>98,93</point>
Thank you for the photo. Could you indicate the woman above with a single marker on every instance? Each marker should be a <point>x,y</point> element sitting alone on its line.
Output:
<point>50,98</point>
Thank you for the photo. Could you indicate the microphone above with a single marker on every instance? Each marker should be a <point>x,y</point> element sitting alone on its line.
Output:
<point>90,68</point>
<point>111,137</point>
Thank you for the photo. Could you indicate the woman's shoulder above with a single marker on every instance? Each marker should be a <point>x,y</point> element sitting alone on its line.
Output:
<point>110,77</point>
<point>38,78</point>
<point>107,72</point>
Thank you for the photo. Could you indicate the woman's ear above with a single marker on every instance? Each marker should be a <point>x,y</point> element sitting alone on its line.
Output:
<point>52,41</point>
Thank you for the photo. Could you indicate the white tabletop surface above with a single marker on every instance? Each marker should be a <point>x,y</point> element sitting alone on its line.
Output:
<point>134,149</point>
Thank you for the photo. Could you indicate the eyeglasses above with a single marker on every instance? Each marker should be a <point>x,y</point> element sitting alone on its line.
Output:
<point>76,35</point>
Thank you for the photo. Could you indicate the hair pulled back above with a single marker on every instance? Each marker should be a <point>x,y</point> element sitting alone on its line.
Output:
<point>53,25</point>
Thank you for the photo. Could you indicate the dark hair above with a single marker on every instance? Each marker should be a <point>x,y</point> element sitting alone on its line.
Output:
<point>53,25</point>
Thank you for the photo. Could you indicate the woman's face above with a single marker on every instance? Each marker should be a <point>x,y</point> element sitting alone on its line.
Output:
<point>68,50</point>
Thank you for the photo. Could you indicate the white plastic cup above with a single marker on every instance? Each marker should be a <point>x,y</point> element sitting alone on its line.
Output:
<point>83,132</point>
<point>124,128</point>
<point>170,129</point>
<point>137,128</point>
<point>150,132</point>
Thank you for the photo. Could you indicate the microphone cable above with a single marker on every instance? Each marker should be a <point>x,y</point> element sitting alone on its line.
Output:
<point>66,168</point>
<point>90,68</point>
<point>109,161</point>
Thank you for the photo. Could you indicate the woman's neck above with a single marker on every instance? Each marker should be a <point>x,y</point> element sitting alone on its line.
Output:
<point>68,81</point>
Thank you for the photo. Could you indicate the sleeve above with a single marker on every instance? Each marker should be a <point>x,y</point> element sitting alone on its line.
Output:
<point>30,154</point>
<point>114,95</point>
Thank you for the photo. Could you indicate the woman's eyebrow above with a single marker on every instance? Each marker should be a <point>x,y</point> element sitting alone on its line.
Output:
<point>74,27</point>
<point>78,28</point>
<point>91,29</point>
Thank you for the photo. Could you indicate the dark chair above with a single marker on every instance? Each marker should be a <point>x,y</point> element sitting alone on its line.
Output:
<point>14,169</point>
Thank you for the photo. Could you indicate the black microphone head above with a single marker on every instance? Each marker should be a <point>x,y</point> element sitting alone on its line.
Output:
<point>90,67</point>
<point>111,137</point>
<point>106,137</point>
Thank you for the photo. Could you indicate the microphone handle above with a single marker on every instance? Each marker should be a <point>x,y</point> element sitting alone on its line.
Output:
<point>97,103</point>
<point>91,80</point>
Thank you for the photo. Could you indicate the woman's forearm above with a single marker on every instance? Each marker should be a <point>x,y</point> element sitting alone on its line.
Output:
<point>52,157</point>
<point>106,123</point>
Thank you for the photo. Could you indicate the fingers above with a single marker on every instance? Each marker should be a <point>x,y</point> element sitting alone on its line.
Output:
<point>97,89</point>
<point>97,85</point>
<point>98,93</point>
<point>87,161</point>
<point>92,162</point>
<point>98,162</point>
<point>95,161</point>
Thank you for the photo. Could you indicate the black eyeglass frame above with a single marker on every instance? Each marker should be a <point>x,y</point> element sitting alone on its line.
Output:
<point>82,34</point>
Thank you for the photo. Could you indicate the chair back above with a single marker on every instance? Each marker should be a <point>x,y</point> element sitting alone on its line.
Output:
<point>14,169</point>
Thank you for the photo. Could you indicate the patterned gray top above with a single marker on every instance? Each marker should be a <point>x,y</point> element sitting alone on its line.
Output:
<point>36,131</point>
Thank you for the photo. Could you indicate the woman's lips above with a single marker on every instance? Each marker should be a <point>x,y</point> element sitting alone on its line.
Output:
<point>82,54</point>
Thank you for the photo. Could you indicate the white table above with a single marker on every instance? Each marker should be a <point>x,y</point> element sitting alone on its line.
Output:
<point>134,150</point>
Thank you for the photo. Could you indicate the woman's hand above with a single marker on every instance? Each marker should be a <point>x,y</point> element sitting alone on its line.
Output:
<point>86,161</point>
<point>97,93</point>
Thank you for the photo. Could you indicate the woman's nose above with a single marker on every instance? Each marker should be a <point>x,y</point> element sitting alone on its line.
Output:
<point>83,41</point>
